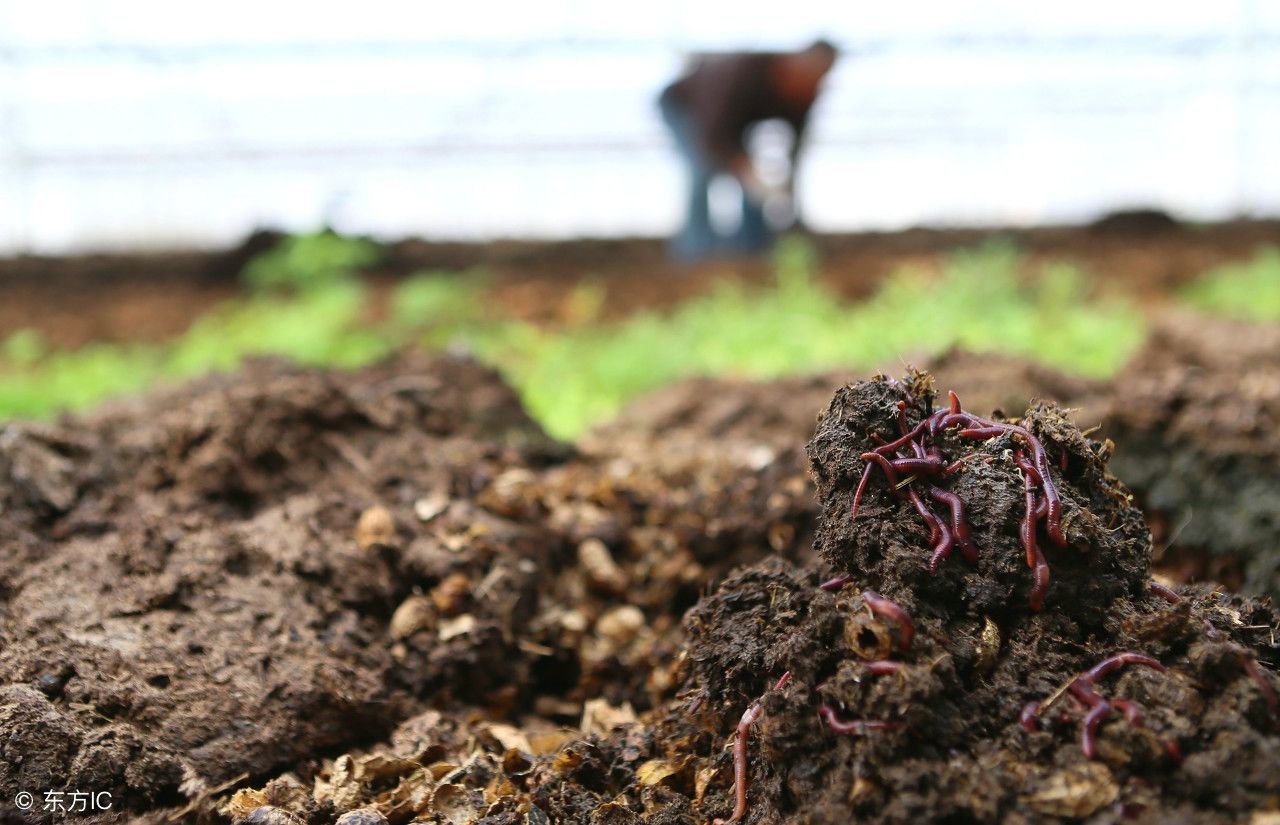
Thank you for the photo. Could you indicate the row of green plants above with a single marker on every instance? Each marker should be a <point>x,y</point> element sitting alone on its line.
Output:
<point>306,302</point>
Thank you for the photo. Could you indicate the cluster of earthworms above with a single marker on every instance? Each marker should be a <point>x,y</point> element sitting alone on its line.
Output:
<point>1097,709</point>
<point>1082,688</point>
<point>914,457</point>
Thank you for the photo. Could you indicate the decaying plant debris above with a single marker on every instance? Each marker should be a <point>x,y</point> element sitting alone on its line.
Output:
<point>295,596</point>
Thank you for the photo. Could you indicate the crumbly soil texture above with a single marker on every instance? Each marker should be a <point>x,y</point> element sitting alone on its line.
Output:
<point>1195,416</point>
<point>291,595</point>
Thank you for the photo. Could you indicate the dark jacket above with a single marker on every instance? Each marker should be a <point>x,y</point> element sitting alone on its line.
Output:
<point>725,95</point>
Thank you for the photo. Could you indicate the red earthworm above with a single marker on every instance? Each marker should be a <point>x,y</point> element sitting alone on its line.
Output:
<point>917,466</point>
<point>1027,718</point>
<point>862,488</point>
<point>942,549</point>
<point>935,527</point>
<point>903,440</point>
<point>1119,660</point>
<point>1163,592</point>
<point>1250,666</point>
<point>1132,711</point>
<point>940,537</point>
<point>886,466</point>
<point>1035,556</point>
<point>959,523</point>
<point>1089,727</point>
<point>1027,467</point>
<point>741,761</point>
<point>883,667</point>
<point>983,433</point>
<point>955,401</point>
<point>836,583</point>
<point>890,610</point>
<point>1053,520</point>
<point>946,420</point>
<point>852,726</point>
<point>1099,708</point>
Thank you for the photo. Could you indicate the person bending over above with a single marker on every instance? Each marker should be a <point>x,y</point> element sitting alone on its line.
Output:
<point>711,109</point>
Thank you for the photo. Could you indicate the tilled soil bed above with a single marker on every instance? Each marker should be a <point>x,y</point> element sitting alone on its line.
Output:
<point>293,596</point>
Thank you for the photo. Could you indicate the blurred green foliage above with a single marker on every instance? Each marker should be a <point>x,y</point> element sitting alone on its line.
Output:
<point>314,260</point>
<point>575,377</point>
<point>1249,290</point>
<point>583,371</point>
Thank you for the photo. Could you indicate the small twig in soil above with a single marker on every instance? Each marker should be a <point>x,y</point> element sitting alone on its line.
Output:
<point>741,757</point>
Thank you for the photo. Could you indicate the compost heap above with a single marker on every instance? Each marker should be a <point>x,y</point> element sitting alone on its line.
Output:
<point>297,596</point>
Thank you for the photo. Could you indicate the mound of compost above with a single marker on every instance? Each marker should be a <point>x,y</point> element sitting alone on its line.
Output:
<point>1195,418</point>
<point>981,692</point>
<point>216,584</point>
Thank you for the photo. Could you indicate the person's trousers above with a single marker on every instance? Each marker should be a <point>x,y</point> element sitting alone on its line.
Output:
<point>698,239</point>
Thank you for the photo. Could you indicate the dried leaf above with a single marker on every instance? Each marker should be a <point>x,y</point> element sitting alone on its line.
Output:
<point>655,771</point>
<point>1077,791</point>
<point>244,802</point>
<point>456,804</point>
<point>544,742</point>
<point>510,737</point>
<point>599,717</point>
<point>460,626</point>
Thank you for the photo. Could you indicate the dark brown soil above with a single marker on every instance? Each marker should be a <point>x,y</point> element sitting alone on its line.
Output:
<point>291,593</point>
<point>193,597</point>
<point>1196,416</point>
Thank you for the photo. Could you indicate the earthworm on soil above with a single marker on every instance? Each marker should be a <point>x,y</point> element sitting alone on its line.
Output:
<point>1042,499</point>
<point>1100,708</point>
<point>1027,718</point>
<point>890,610</point>
<point>959,522</point>
<point>836,583</point>
<point>1035,557</point>
<point>852,726</point>
<point>883,667</point>
<point>741,757</point>
<point>1165,593</point>
<point>1250,666</point>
